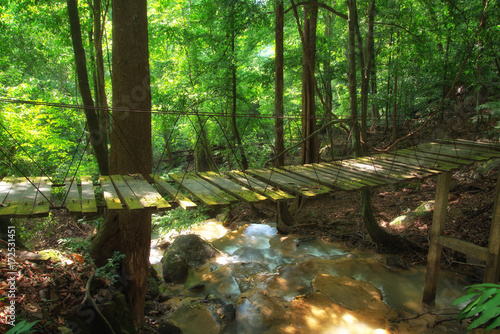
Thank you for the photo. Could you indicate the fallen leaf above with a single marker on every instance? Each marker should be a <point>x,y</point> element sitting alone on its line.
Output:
<point>78,258</point>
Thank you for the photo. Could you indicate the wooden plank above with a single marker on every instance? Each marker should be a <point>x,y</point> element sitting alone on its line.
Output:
<point>271,192</point>
<point>126,194</point>
<point>396,171</point>
<point>206,192</point>
<point>431,166</point>
<point>147,195</point>
<point>72,203</point>
<point>347,174</point>
<point>430,156</point>
<point>27,200</point>
<point>437,228</point>
<point>494,146</point>
<point>369,170</point>
<point>395,162</point>
<point>110,195</point>
<point>178,197</point>
<point>464,247</point>
<point>19,185</point>
<point>490,152</point>
<point>89,204</point>
<point>5,186</point>
<point>42,201</point>
<point>458,151</point>
<point>290,182</point>
<point>233,188</point>
<point>316,174</point>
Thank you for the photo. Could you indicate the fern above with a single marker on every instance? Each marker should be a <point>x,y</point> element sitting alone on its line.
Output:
<point>483,306</point>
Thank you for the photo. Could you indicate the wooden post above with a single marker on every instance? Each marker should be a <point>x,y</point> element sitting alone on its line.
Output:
<point>438,222</point>
<point>492,272</point>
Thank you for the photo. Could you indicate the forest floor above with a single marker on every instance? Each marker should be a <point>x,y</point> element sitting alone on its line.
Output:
<point>47,290</point>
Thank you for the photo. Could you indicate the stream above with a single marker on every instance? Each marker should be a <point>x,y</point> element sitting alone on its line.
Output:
<point>256,258</point>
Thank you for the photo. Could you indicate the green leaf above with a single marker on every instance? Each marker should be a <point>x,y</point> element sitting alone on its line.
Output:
<point>493,325</point>
<point>465,298</point>
<point>486,316</point>
<point>481,302</point>
<point>22,327</point>
<point>15,329</point>
<point>491,303</point>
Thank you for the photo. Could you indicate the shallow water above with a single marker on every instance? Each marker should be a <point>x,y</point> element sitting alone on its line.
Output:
<point>256,258</point>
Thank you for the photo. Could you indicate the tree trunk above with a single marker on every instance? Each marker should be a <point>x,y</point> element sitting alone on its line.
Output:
<point>365,73</point>
<point>328,71</point>
<point>310,147</point>
<point>395,108</point>
<point>101,98</point>
<point>236,134</point>
<point>96,136</point>
<point>279,145</point>
<point>203,157</point>
<point>385,241</point>
<point>373,80</point>
<point>131,151</point>
<point>381,237</point>
<point>351,75</point>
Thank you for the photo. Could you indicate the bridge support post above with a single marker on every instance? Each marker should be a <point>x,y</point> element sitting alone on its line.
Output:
<point>438,222</point>
<point>492,272</point>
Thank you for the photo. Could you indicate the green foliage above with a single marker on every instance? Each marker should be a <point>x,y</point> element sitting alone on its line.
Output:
<point>110,271</point>
<point>178,219</point>
<point>483,306</point>
<point>75,245</point>
<point>194,47</point>
<point>23,326</point>
<point>492,106</point>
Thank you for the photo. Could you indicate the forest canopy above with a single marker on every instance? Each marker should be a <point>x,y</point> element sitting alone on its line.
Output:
<point>212,69</point>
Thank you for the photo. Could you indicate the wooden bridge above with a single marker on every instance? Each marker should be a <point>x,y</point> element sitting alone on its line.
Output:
<point>33,197</point>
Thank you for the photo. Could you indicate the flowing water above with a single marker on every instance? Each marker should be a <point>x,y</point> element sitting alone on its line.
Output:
<point>256,257</point>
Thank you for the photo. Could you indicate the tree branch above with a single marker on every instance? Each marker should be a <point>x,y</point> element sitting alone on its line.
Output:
<point>319,4</point>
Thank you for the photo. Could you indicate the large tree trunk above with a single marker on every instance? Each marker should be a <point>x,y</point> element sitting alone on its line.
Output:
<point>131,151</point>
<point>310,147</point>
<point>97,137</point>
<point>279,145</point>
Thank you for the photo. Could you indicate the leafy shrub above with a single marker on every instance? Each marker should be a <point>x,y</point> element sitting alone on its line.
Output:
<point>109,271</point>
<point>483,307</point>
<point>179,219</point>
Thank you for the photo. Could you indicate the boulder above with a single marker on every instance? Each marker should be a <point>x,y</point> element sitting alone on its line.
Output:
<point>186,251</point>
<point>175,268</point>
<point>407,220</point>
